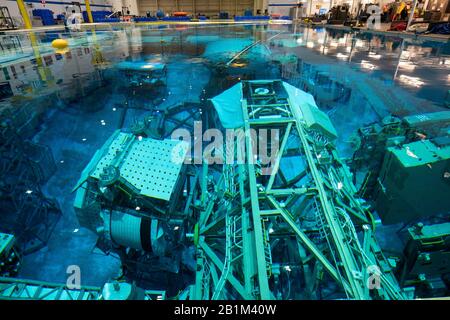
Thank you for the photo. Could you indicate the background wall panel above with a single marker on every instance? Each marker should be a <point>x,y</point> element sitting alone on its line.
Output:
<point>210,8</point>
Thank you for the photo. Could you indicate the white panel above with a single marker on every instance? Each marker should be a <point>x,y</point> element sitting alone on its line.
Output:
<point>150,165</point>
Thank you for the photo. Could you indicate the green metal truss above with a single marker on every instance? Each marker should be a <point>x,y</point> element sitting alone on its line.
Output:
<point>22,289</point>
<point>235,247</point>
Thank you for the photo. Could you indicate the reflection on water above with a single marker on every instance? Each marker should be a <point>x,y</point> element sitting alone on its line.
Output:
<point>70,103</point>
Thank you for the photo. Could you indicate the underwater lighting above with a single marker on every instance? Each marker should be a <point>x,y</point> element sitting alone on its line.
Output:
<point>373,55</point>
<point>271,230</point>
<point>29,191</point>
<point>334,44</point>
<point>342,56</point>
<point>299,40</point>
<point>261,91</point>
<point>147,66</point>
<point>287,268</point>
<point>406,65</point>
<point>114,109</point>
<point>367,65</point>
<point>359,43</point>
<point>84,139</point>
<point>238,64</point>
<point>138,208</point>
<point>405,54</point>
<point>411,81</point>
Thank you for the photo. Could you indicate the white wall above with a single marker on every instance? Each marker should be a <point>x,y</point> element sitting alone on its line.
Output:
<point>56,8</point>
<point>282,10</point>
<point>209,7</point>
<point>130,4</point>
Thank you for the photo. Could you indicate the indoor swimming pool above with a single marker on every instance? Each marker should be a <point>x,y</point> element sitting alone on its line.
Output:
<point>59,106</point>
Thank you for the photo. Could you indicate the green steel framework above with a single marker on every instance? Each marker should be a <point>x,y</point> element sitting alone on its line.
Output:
<point>242,257</point>
<point>234,253</point>
<point>22,289</point>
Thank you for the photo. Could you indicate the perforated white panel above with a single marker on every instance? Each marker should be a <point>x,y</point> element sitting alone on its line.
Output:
<point>152,166</point>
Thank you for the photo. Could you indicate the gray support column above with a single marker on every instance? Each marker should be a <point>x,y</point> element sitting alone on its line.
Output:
<point>411,14</point>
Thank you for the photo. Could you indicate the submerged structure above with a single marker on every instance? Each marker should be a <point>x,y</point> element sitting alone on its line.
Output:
<point>156,164</point>
<point>273,213</point>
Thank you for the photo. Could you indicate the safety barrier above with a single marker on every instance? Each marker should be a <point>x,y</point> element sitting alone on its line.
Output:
<point>145,19</point>
<point>245,18</point>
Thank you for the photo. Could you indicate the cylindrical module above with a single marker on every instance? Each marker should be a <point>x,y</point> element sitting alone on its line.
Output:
<point>130,231</point>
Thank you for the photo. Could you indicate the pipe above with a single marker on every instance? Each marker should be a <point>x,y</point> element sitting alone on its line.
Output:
<point>88,11</point>
<point>24,13</point>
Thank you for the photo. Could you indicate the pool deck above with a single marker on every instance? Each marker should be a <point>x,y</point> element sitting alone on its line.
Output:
<point>383,32</point>
<point>429,36</point>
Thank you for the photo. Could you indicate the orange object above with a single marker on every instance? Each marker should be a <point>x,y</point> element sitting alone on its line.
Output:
<point>180,14</point>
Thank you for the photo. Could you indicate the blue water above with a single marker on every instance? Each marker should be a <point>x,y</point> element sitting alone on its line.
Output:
<point>73,101</point>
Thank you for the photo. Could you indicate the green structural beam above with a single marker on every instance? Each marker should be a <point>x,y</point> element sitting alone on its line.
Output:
<point>271,205</point>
